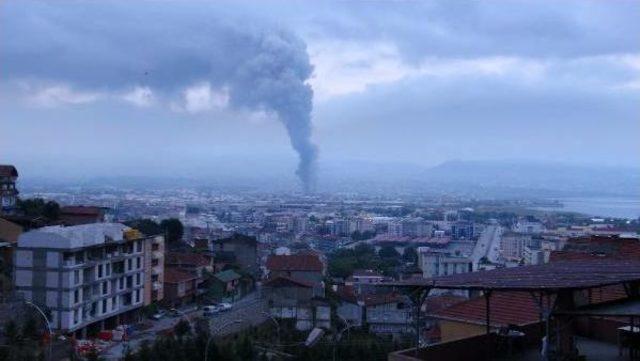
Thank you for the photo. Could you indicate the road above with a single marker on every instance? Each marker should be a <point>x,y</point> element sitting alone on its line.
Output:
<point>488,245</point>
<point>248,310</point>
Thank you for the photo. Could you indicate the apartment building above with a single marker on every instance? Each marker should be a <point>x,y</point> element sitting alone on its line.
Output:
<point>8,191</point>
<point>88,276</point>
<point>433,263</point>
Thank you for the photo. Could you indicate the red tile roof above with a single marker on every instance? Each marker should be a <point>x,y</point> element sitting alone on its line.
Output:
<point>436,303</point>
<point>381,299</point>
<point>598,247</point>
<point>174,275</point>
<point>187,259</point>
<point>347,293</point>
<point>295,262</point>
<point>282,281</point>
<point>507,308</point>
<point>81,210</point>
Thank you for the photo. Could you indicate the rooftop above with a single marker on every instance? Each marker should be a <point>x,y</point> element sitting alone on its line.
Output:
<point>551,276</point>
<point>62,237</point>
<point>8,171</point>
<point>295,262</point>
<point>227,276</point>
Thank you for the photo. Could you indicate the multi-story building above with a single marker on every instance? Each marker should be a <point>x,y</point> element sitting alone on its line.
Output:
<point>87,276</point>
<point>514,244</point>
<point>435,264</point>
<point>8,191</point>
<point>462,230</point>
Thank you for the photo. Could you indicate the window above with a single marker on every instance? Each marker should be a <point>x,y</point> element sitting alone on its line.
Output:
<point>139,246</point>
<point>104,306</point>
<point>76,277</point>
<point>137,296</point>
<point>121,283</point>
<point>108,269</point>
<point>129,264</point>
<point>76,296</point>
<point>138,263</point>
<point>99,271</point>
<point>105,288</point>
<point>114,303</point>
<point>138,279</point>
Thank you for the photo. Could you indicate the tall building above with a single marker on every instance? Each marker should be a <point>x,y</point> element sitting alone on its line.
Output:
<point>88,276</point>
<point>462,230</point>
<point>8,191</point>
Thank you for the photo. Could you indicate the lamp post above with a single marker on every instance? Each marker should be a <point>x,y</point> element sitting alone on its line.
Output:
<point>214,332</point>
<point>339,336</point>
<point>274,321</point>
<point>46,320</point>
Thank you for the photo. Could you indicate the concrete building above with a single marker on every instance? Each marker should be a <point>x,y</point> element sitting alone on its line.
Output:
<point>88,276</point>
<point>462,230</point>
<point>8,191</point>
<point>435,264</point>
<point>241,249</point>
<point>513,244</point>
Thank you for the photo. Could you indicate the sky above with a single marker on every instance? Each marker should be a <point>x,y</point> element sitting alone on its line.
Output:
<point>162,87</point>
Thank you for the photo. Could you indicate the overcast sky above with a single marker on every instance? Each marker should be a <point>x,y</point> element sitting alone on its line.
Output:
<point>90,86</point>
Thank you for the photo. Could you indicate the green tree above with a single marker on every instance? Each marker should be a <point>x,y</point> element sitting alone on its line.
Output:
<point>148,227</point>
<point>182,328</point>
<point>173,229</point>
<point>389,252</point>
<point>410,255</point>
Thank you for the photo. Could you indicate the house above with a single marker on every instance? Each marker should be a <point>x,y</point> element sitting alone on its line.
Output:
<point>75,215</point>
<point>388,313</point>
<point>180,286</point>
<point>198,265</point>
<point>303,267</point>
<point>226,285</point>
<point>9,233</point>
<point>290,298</point>
<point>365,281</point>
<point>243,249</point>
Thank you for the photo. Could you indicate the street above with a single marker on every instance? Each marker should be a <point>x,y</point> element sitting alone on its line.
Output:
<point>488,245</point>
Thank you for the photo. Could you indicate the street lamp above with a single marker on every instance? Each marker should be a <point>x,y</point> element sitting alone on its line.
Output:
<point>339,335</point>
<point>214,332</point>
<point>46,320</point>
<point>274,321</point>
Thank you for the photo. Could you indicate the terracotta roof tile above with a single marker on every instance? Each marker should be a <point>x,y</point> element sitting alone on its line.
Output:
<point>295,262</point>
<point>174,275</point>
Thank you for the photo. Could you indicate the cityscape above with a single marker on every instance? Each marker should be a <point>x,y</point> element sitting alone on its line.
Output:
<point>282,180</point>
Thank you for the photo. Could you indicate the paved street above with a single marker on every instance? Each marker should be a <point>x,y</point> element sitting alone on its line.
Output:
<point>248,310</point>
<point>488,244</point>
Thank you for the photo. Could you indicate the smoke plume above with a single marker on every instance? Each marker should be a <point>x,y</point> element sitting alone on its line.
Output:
<point>274,79</point>
<point>161,49</point>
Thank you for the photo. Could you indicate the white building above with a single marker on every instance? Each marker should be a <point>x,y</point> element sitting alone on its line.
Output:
<point>435,264</point>
<point>87,275</point>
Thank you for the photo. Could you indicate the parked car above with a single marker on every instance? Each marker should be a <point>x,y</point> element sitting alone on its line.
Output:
<point>158,315</point>
<point>225,306</point>
<point>175,313</point>
<point>210,310</point>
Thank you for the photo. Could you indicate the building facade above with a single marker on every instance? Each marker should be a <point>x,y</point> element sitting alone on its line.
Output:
<point>435,264</point>
<point>87,276</point>
<point>8,191</point>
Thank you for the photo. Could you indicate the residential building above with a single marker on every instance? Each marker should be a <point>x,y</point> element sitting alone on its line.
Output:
<point>435,264</point>
<point>154,266</point>
<point>8,190</point>
<point>243,250</point>
<point>462,230</point>
<point>305,267</point>
<point>529,227</point>
<point>90,275</point>
<point>513,244</point>
<point>75,215</point>
<point>226,285</point>
<point>388,313</point>
<point>180,286</point>
<point>290,298</point>
<point>533,255</point>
